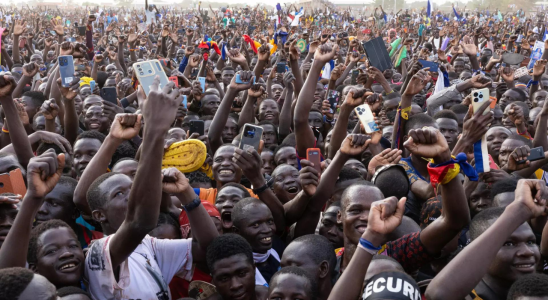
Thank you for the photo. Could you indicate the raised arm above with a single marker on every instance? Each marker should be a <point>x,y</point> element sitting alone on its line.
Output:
<point>354,144</point>
<point>43,173</point>
<point>250,162</point>
<point>159,111</point>
<point>304,135</point>
<point>430,143</point>
<point>384,217</point>
<point>476,258</point>
<point>17,132</point>
<point>285,119</point>
<point>221,116</point>
<point>353,99</point>
<point>203,228</point>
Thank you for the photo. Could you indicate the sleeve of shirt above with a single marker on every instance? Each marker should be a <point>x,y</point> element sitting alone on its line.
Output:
<point>174,257</point>
<point>411,175</point>
<point>409,252</point>
<point>440,98</point>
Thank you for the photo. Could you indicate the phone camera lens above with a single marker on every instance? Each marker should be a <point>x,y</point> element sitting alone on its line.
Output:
<point>142,73</point>
<point>475,94</point>
<point>476,100</point>
<point>140,69</point>
<point>150,71</point>
<point>139,66</point>
<point>481,96</point>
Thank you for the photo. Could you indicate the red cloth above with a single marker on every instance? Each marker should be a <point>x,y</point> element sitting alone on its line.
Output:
<point>179,287</point>
<point>184,222</point>
<point>251,42</point>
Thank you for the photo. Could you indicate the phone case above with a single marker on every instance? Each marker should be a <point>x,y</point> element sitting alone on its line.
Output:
<point>146,71</point>
<point>445,43</point>
<point>13,182</point>
<point>280,68</point>
<point>66,69</point>
<point>175,80</point>
<point>92,85</point>
<point>333,98</point>
<point>202,82</point>
<point>354,76</point>
<point>433,67</point>
<point>196,126</point>
<point>536,154</point>
<point>185,103</point>
<point>109,94</point>
<point>82,30</point>
<point>314,156</point>
<point>377,54</point>
<point>366,117</point>
<point>521,72</point>
<point>251,137</point>
<point>478,97</point>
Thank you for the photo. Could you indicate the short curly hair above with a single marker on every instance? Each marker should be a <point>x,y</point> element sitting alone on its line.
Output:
<point>530,285</point>
<point>13,281</point>
<point>95,198</point>
<point>32,254</point>
<point>225,246</point>
<point>312,283</point>
<point>91,134</point>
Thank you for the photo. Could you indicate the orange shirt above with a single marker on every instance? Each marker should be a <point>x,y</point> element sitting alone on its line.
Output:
<point>210,194</point>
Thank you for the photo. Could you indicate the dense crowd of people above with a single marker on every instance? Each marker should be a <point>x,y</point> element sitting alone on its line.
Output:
<point>260,153</point>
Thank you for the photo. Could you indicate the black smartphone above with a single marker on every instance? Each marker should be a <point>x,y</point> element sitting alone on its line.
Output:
<point>81,30</point>
<point>536,154</point>
<point>109,94</point>
<point>354,76</point>
<point>194,73</point>
<point>280,67</point>
<point>196,126</point>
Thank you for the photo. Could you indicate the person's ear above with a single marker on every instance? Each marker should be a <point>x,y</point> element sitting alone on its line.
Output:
<point>323,269</point>
<point>339,216</point>
<point>99,216</point>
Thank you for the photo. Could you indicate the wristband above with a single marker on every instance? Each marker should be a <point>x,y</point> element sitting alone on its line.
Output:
<point>5,130</point>
<point>124,102</point>
<point>532,82</point>
<point>445,172</point>
<point>404,112</point>
<point>263,188</point>
<point>368,246</point>
<point>192,205</point>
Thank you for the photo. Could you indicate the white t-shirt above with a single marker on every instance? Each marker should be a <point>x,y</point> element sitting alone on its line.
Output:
<point>151,16</point>
<point>144,275</point>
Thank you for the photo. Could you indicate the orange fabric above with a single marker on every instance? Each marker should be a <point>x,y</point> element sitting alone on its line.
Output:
<point>209,195</point>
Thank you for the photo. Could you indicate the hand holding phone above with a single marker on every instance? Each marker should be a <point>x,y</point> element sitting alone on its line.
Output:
<point>251,137</point>
<point>313,155</point>
<point>196,126</point>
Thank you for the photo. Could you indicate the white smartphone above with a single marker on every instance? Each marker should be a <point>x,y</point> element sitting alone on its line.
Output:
<point>478,98</point>
<point>366,117</point>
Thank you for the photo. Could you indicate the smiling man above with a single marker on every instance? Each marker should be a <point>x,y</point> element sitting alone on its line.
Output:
<point>254,222</point>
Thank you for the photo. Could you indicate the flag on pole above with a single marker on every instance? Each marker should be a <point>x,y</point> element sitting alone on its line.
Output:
<point>428,9</point>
